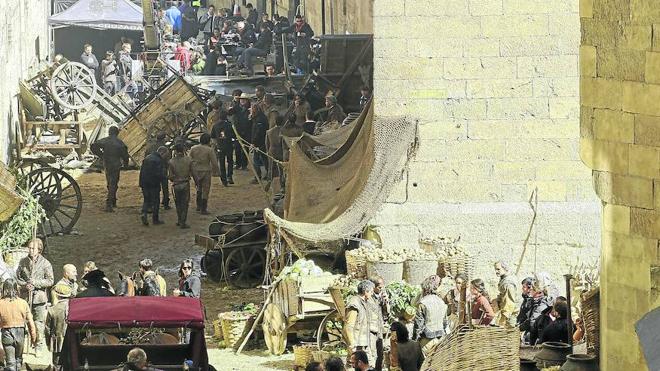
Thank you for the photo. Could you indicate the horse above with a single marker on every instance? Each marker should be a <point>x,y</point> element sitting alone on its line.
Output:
<point>159,339</point>
<point>101,339</point>
<point>135,286</point>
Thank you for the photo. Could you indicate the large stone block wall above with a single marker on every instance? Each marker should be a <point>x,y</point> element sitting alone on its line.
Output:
<point>21,23</point>
<point>620,129</point>
<point>494,84</point>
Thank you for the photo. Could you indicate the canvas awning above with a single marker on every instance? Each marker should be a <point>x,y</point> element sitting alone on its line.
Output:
<point>100,14</point>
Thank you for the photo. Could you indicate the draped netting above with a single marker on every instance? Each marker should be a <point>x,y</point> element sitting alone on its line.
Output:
<point>334,197</point>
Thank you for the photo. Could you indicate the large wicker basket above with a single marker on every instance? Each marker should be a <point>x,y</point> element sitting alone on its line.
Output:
<point>481,348</point>
<point>590,302</point>
<point>9,199</point>
<point>416,271</point>
<point>455,264</point>
<point>389,272</point>
<point>356,265</point>
<point>235,326</point>
<point>303,354</point>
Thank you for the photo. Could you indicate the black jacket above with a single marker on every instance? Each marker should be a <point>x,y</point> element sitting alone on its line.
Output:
<point>223,143</point>
<point>538,307</point>
<point>248,36</point>
<point>525,305</point>
<point>252,17</point>
<point>151,172</point>
<point>264,41</point>
<point>242,122</point>
<point>211,63</point>
<point>94,291</point>
<point>301,40</point>
<point>555,331</point>
<point>112,150</point>
<point>259,128</point>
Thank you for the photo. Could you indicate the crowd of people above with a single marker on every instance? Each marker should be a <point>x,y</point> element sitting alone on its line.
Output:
<point>32,298</point>
<point>533,306</point>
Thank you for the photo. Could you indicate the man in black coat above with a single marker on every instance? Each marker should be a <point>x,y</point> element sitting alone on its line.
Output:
<point>303,34</point>
<point>258,49</point>
<point>208,22</point>
<point>151,177</point>
<point>253,16</point>
<point>97,285</point>
<point>223,135</point>
<point>189,26</point>
<point>113,152</point>
<point>243,125</point>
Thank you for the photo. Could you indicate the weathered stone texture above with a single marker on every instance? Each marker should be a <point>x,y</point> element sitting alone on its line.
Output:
<point>495,86</point>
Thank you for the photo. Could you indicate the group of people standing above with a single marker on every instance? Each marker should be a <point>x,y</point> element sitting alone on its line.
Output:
<point>115,72</point>
<point>32,299</point>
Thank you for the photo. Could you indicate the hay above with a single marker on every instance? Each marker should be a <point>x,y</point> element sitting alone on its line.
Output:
<point>590,302</point>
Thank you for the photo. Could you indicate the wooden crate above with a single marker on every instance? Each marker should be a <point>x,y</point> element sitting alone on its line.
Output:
<point>306,296</point>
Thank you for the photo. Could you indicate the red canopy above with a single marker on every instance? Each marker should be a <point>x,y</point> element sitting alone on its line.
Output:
<point>136,311</point>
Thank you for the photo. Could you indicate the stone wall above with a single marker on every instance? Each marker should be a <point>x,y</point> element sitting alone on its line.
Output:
<point>21,23</point>
<point>494,84</point>
<point>620,129</point>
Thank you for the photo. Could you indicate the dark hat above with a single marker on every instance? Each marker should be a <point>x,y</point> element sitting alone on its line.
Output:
<point>96,275</point>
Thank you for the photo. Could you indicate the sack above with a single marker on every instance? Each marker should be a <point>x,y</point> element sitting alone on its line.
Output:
<point>181,187</point>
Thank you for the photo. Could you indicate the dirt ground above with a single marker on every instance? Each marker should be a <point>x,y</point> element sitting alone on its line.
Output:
<point>118,241</point>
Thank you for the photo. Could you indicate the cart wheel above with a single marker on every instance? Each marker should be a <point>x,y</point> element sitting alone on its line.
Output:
<point>274,328</point>
<point>212,265</point>
<point>244,267</point>
<point>59,195</point>
<point>330,332</point>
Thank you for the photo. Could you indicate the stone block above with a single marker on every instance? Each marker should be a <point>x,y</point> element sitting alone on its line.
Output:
<point>517,108</point>
<point>515,25</point>
<point>652,73</point>
<point>639,37</point>
<point>586,8</point>
<point>641,98</point>
<point>556,87</point>
<point>564,107</point>
<point>553,191</point>
<point>644,161</point>
<point>481,48</point>
<point>435,47</point>
<point>601,93</point>
<point>467,27</point>
<point>563,170</point>
<point>656,196</point>
<point>547,128</point>
<point>514,172</point>
<point>491,129</point>
<point>392,28</point>
<point>538,45</point>
<point>611,10</point>
<point>500,88</point>
<point>566,25</point>
<point>539,6</point>
<point>655,42</point>
<point>615,126</point>
<point>644,11</point>
<point>620,64</point>
<point>433,8</point>
<point>541,149</point>
<point>455,109</point>
<point>604,156</point>
<point>384,49</point>
<point>394,8</point>
<point>480,68</point>
<point>601,33</point>
<point>412,68</point>
<point>586,122</point>
<point>485,7</point>
<point>647,130</point>
<point>587,61</point>
<point>645,223</point>
<point>470,150</point>
<point>548,66</point>
<point>444,130</point>
<point>616,218</point>
<point>624,190</point>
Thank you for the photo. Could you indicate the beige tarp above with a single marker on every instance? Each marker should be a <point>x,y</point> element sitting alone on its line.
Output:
<point>334,197</point>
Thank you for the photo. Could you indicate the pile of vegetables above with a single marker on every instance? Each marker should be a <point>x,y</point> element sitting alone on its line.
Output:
<point>403,298</point>
<point>390,255</point>
<point>302,268</point>
<point>240,310</point>
<point>17,231</point>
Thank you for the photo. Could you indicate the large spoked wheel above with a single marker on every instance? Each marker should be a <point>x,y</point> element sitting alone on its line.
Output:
<point>330,334</point>
<point>73,86</point>
<point>212,265</point>
<point>60,197</point>
<point>244,267</point>
<point>178,124</point>
<point>274,327</point>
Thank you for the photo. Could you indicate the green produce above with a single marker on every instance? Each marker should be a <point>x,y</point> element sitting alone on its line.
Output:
<point>402,296</point>
<point>17,231</point>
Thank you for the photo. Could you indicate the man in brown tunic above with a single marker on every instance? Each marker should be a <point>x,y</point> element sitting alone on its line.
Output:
<point>203,161</point>
<point>35,276</point>
<point>14,315</point>
<point>180,171</point>
<point>56,319</point>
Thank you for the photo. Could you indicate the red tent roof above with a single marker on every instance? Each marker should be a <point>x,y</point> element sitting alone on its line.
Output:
<point>137,311</point>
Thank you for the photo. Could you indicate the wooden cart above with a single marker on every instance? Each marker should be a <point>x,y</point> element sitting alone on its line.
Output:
<point>302,305</point>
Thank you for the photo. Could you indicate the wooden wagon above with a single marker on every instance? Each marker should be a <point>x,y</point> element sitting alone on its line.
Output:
<point>304,305</point>
<point>174,108</point>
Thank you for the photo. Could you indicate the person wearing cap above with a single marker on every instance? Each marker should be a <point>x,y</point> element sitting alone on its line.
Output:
<point>151,178</point>
<point>223,134</point>
<point>506,301</point>
<point>303,33</point>
<point>14,315</point>
<point>189,283</point>
<point>335,111</point>
<point>180,172</point>
<point>35,276</point>
<point>243,125</point>
<point>136,360</point>
<point>113,152</point>
<point>203,162</point>
<point>97,285</point>
<point>161,141</point>
<point>69,279</point>
<point>56,319</point>
<point>148,274</point>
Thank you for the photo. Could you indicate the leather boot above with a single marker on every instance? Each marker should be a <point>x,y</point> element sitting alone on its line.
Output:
<point>144,219</point>
<point>205,204</point>
<point>198,203</point>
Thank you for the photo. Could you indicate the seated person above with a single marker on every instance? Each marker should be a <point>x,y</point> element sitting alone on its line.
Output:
<point>558,329</point>
<point>547,317</point>
<point>258,49</point>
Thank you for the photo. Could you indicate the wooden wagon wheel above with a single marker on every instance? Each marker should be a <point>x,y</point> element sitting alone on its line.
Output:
<point>59,195</point>
<point>330,333</point>
<point>244,267</point>
<point>73,86</point>
<point>178,123</point>
<point>274,327</point>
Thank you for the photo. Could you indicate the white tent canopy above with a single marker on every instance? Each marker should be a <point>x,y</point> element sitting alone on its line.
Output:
<point>100,14</point>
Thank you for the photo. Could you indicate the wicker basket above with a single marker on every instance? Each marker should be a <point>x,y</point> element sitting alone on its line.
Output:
<point>481,348</point>
<point>235,326</point>
<point>590,302</point>
<point>389,272</point>
<point>9,199</point>
<point>416,271</point>
<point>303,354</point>
<point>455,264</point>
<point>12,257</point>
<point>356,265</point>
